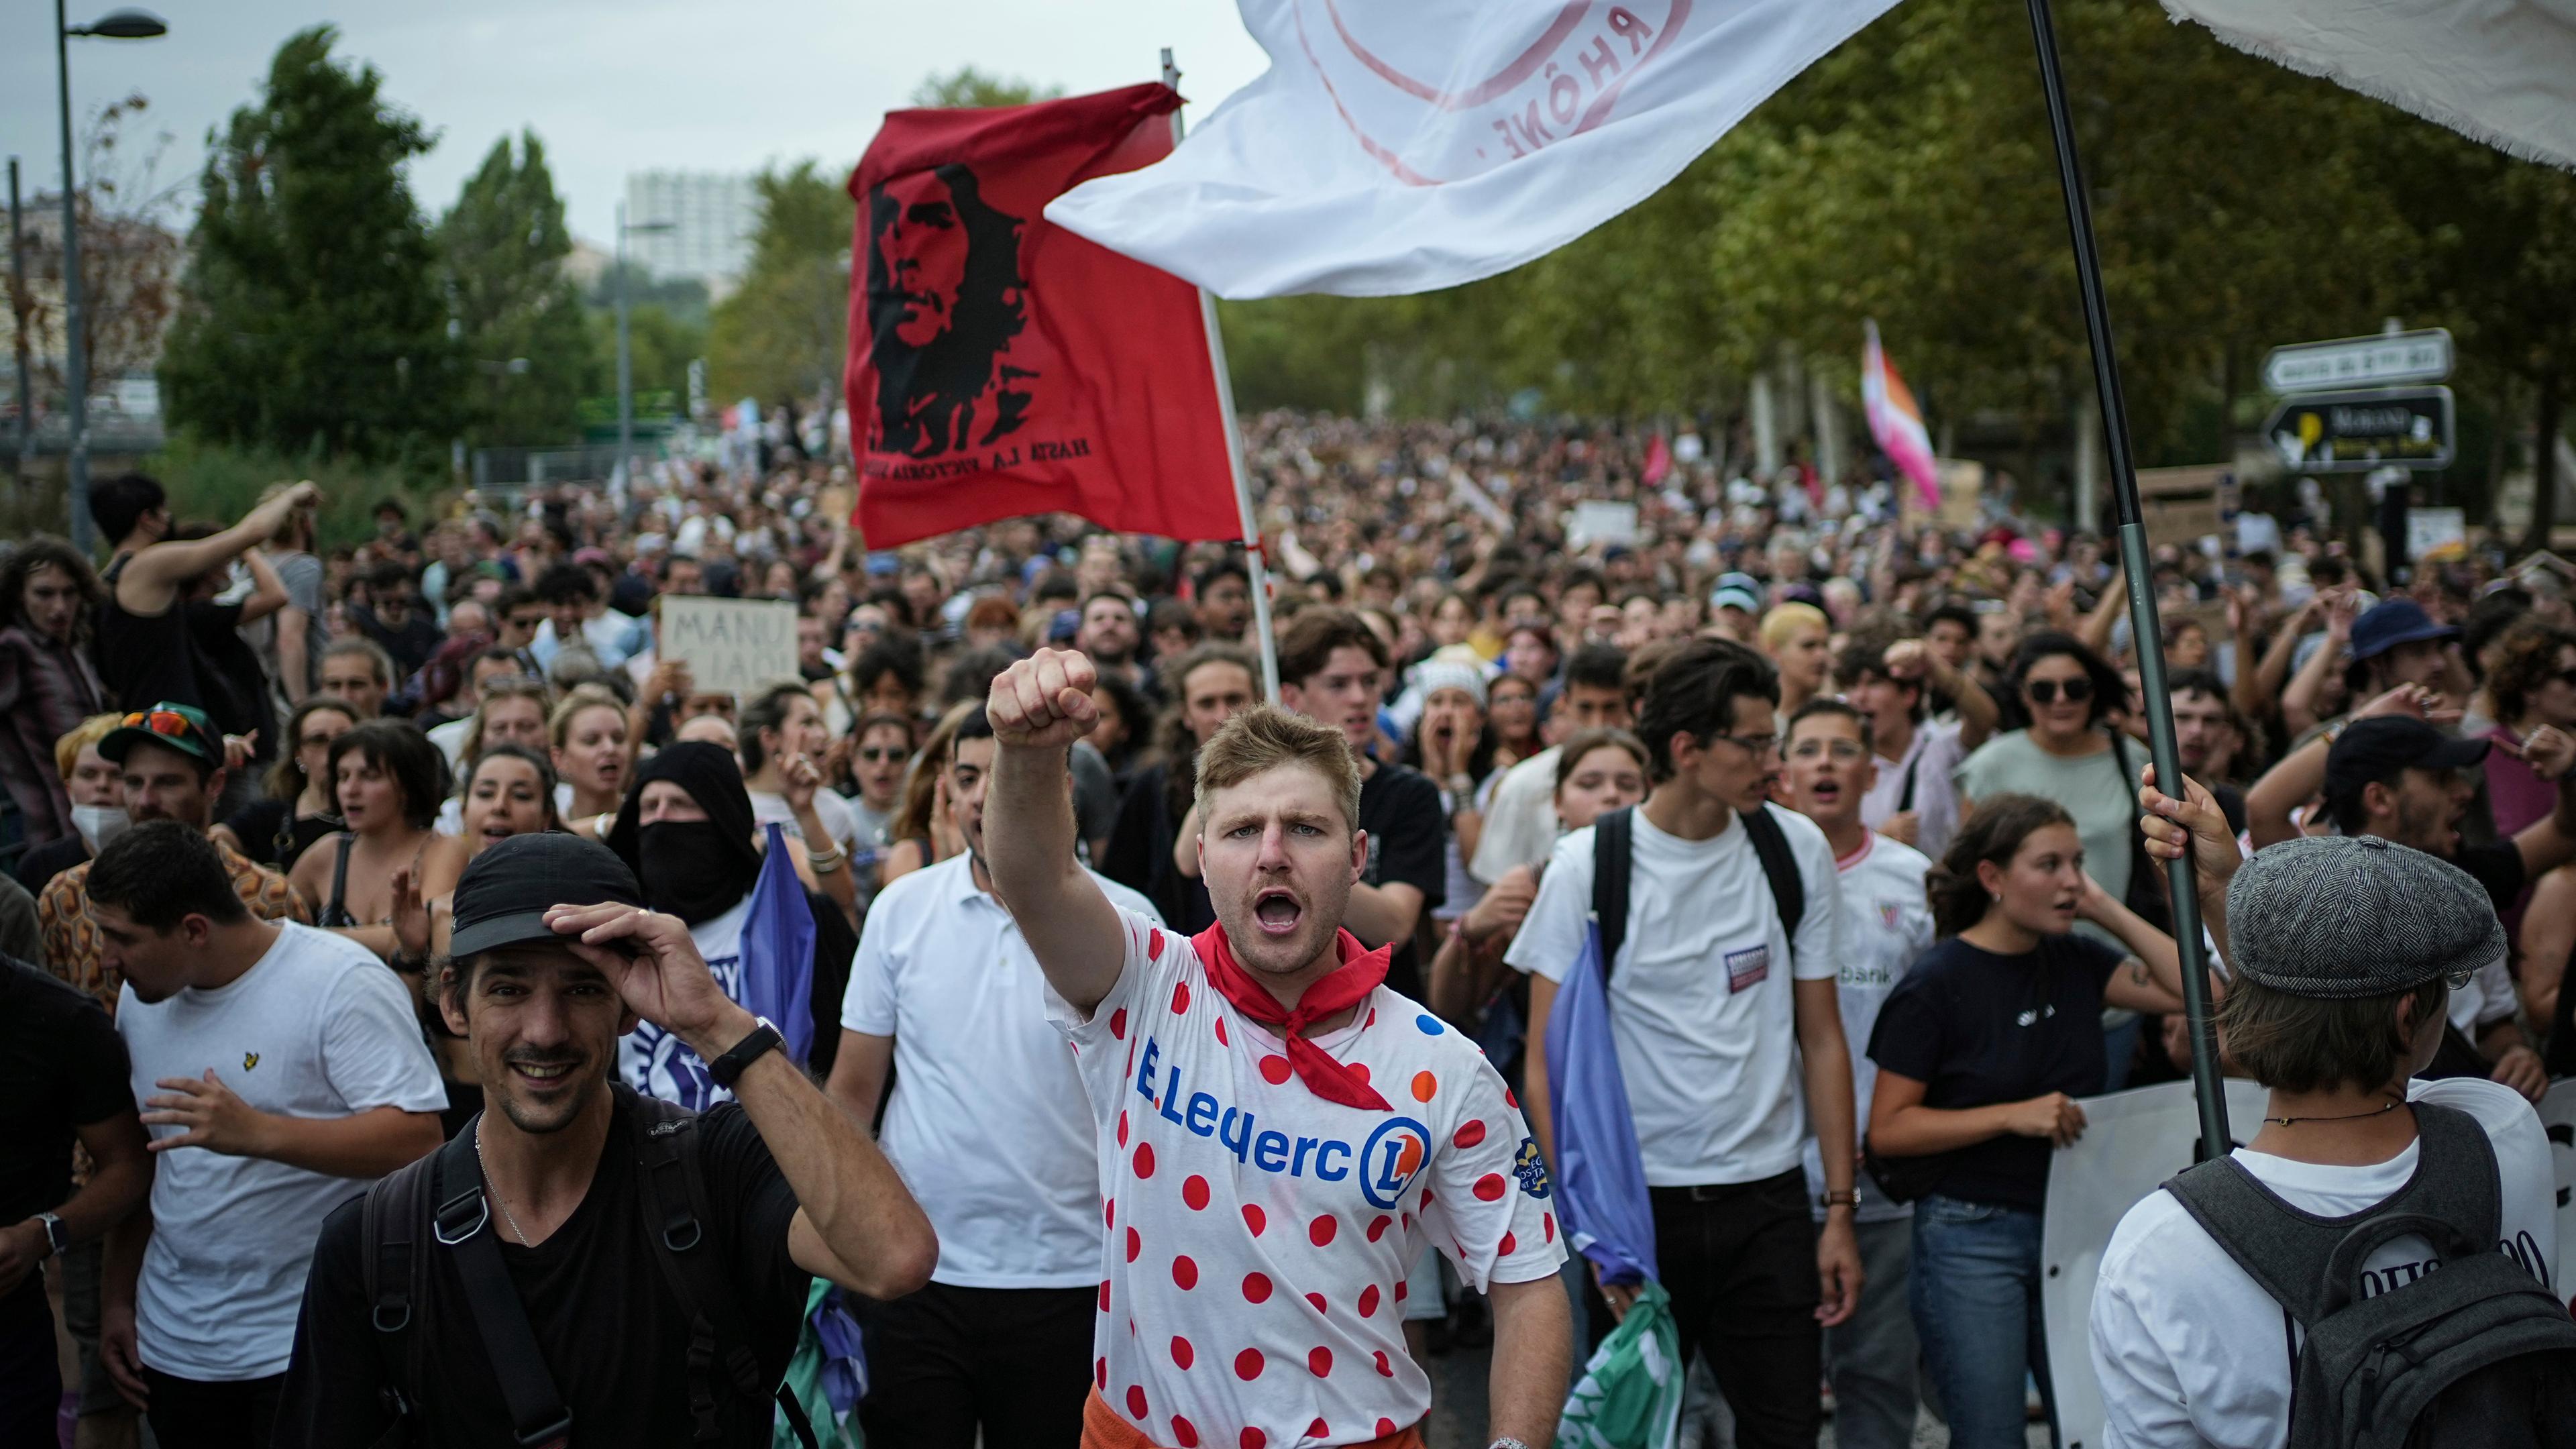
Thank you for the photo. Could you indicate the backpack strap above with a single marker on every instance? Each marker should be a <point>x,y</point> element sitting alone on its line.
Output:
<point>1913,763</point>
<point>462,1223</point>
<point>1613,845</point>
<point>395,1272</point>
<point>1780,868</point>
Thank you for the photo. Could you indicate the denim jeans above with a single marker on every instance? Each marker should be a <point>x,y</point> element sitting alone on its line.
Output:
<point>1870,1359</point>
<point>1975,1294</point>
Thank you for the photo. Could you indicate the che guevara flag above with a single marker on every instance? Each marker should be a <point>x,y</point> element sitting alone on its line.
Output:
<point>1001,365</point>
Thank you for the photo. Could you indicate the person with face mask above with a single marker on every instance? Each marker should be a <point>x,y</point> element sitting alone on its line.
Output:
<point>96,788</point>
<point>687,833</point>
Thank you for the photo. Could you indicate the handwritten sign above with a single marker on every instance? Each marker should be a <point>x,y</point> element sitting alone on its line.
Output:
<point>732,646</point>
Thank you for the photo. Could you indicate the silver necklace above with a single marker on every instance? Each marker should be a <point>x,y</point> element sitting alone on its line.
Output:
<point>494,1193</point>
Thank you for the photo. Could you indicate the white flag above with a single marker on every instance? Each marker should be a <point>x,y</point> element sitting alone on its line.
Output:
<point>2499,71</point>
<point>1401,145</point>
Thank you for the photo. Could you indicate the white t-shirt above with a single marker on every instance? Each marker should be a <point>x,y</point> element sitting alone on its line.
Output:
<point>450,739</point>
<point>2191,1351</point>
<point>1520,818</point>
<point>318,1028</point>
<point>1886,923</point>
<point>1701,1011</point>
<point>2488,998</point>
<point>767,806</point>
<point>987,1123</point>
<point>1259,1235</point>
<point>1932,758</point>
<point>656,1062</point>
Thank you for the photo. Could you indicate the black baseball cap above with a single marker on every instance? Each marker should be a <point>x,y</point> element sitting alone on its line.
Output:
<point>2373,749</point>
<point>503,897</point>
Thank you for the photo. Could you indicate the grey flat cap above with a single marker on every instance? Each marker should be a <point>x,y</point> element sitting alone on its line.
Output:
<point>2345,916</point>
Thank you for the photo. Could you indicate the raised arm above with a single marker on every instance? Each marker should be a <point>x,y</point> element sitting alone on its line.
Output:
<point>151,580</point>
<point>1039,707</point>
<point>267,594</point>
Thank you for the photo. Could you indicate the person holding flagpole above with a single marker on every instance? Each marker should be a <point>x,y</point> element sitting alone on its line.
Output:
<point>1279,1134</point>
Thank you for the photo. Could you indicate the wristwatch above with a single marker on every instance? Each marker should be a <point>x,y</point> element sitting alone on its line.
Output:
<point>1848,1197</point>
<point>58,1239</point>
<point>727,1069</point>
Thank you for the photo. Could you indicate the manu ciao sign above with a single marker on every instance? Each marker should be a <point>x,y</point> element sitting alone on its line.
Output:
<point>732,646</point>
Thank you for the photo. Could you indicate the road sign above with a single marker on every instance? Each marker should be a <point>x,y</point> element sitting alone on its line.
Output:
<point>2394,357</point>
<point>2354,432</point>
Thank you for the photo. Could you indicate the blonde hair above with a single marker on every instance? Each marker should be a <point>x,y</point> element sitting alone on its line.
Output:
<point>1265,737</point>
<point>1785,620</point>
<point>581,697</point>
<point>89,732</point>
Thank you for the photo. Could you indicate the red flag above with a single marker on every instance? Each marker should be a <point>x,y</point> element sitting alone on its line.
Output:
<point>1659,460</point>
<point>1001,365</point>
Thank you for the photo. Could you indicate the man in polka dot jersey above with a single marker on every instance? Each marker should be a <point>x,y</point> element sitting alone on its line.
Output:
<point>1279,1133</point>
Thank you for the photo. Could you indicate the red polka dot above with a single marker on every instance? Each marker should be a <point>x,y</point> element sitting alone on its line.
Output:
<point>1274,1070</point>
<point>1361,1071</point>
<point>1318,1429</point>
<point>1509,1100</point>
<point>1122,1129</point>
<point>1400,1290</point>
<point>1136,1402</point>
<point>1195,1192</point>
<point>1377,1227</point>
<point>1368,1301</point>
<point>1118,1023</point>
<point>1256,1287</point>
<point>1131,1328</point>
<point>1254,1219</point>
<point>1104,1295</point>
<point>1251,1439</point>
<point>1318,1300</point>
<point>1489,1188</point>
<point>1100,1372</point>
<point>1469,1133</point>
<point>1320,1361</point>
<point>1504,1248</point>
<point>1548,1220</point>
<point>1384,1368</point>
<point>1145,1160</point>
<point>1180,998</point>
<point>1365,1025</point>
<point>1426,1197</point>
<point>1153,945</point>
<point>1385,1426</point>
<point>1109,1212</point>
<point>1424,1084</point>
<point>1182,1353</point>
<point>1407,1218</point>
<point>1185,1431</point>
<point>1321,1230</point>
<point>1220,1033</point>
<point>1135,1245</point>
<point>1185,1271</point>
<point>1247,1364</point>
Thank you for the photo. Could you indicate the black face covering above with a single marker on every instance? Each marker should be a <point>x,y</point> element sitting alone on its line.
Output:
<point>686,868</point>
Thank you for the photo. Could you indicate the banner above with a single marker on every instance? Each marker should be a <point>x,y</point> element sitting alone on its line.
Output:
<point>1399,146</point>
<point>1002,366</point>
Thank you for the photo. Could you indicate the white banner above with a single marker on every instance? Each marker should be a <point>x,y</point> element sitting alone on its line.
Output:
<point>1403,145</point>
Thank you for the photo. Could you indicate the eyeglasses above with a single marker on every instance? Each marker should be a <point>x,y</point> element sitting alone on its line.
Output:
<point>315,742</point>
<point>1845,750</point>
<point>2459,977</point>
<point>875,756</point>
<point>1758,746</point>
<point>2044,691</point>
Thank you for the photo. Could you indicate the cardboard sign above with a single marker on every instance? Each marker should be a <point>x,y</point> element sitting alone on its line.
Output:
<point>2558,1118</point>
<point>2436,535</point>
<point>1597,521</point>
<point>2132,1142</point>
<point>732,646</point>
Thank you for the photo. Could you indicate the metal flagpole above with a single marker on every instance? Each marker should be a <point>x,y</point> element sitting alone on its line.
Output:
<point>1252,551</point>
<point>2214,1136</point>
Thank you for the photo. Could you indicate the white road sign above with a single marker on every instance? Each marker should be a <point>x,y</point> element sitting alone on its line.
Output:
<point>2423,356</point>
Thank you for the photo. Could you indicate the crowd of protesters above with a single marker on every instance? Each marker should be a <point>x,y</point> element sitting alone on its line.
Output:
<point>283,817</point>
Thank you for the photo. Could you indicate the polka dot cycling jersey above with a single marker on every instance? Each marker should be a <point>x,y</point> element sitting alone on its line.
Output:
<point>1257,1235</point>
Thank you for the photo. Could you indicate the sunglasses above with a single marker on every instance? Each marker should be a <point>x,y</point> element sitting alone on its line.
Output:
<point>159,722</point>
<point>2044,691</point>
<point>875,756</point>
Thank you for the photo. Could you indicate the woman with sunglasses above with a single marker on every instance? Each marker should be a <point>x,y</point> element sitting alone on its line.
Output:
<point>299,809</point>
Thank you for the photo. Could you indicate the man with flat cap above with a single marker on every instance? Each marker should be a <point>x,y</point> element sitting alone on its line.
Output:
<point>582,1263</point>
<point>2342,951</point>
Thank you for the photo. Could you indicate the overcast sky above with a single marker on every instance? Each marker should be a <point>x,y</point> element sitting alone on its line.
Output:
<point>609,88</point>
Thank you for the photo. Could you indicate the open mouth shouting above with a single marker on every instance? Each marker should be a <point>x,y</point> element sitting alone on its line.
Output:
<point>1827,792</point>
<point>1278,912</point>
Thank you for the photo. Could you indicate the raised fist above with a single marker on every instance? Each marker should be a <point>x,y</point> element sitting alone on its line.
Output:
<point>1044,701</point>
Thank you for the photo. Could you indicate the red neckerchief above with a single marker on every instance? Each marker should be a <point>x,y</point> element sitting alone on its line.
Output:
<point>1344,987</point>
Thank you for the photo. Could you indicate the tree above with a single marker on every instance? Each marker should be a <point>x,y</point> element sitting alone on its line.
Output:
<point>781,336</point>
<point>967,86</point>
<point>519,322</point>
<point>311,316</point>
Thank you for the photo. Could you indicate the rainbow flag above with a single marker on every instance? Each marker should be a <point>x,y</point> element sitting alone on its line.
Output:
<point>1895,421</point>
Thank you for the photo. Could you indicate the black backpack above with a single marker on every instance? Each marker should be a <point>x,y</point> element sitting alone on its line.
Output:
<point>438,1203</point>
<point>1613,845</point>
<point>2477,1355</point>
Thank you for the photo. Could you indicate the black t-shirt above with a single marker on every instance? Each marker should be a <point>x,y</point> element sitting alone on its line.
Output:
<point>259,823</point>
<point>38,867</point>
<point>600,1307</point>
<point>1140,854</point>
<point>1408,841</point>
<point>1978,1029</point>
<point>62,1066</point>
<point>2497,865</point>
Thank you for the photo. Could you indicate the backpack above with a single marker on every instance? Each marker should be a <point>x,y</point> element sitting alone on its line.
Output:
<point>443,1194</point>
<point>1614,842</point>
<point>2479,1355</point>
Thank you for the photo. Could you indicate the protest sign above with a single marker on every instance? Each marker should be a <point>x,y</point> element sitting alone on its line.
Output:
<point>1595,521</point>
<point>2558,1116</point>
<point>732,646</point>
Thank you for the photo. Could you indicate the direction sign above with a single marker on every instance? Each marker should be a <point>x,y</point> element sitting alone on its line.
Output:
<point>2393,357</point>
<point>2353,432</point>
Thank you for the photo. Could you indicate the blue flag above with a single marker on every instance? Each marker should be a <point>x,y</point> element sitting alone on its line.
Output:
<point>778,949</point>
<point>1600,1178</point>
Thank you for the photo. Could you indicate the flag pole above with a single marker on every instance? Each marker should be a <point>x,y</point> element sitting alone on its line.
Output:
<point>1254,563</point>
<point>2137,570</point>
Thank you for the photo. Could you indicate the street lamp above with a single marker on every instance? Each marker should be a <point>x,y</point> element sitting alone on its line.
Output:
<point>115,25</point>
<point>625,364</point>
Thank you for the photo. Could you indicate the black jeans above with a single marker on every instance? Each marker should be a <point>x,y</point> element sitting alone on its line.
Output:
<point>1740,1263</point>
<point>1016,1361</point>
<point>196,1414</point>
<point>31,1381</point>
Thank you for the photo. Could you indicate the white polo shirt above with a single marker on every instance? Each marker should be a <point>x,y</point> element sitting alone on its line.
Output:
<point>987,1123</point>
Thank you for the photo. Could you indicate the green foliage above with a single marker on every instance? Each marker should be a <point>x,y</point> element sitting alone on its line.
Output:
<point>660,344</point>
<point>783,332</point>
<point>526,353</point>
<point>221,483</point>
<point>312,316</point>
<point>967,86</point>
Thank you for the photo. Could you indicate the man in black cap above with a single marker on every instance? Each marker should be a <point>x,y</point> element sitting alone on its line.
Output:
<point>579,1260</point>
<point>2393,774</point>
